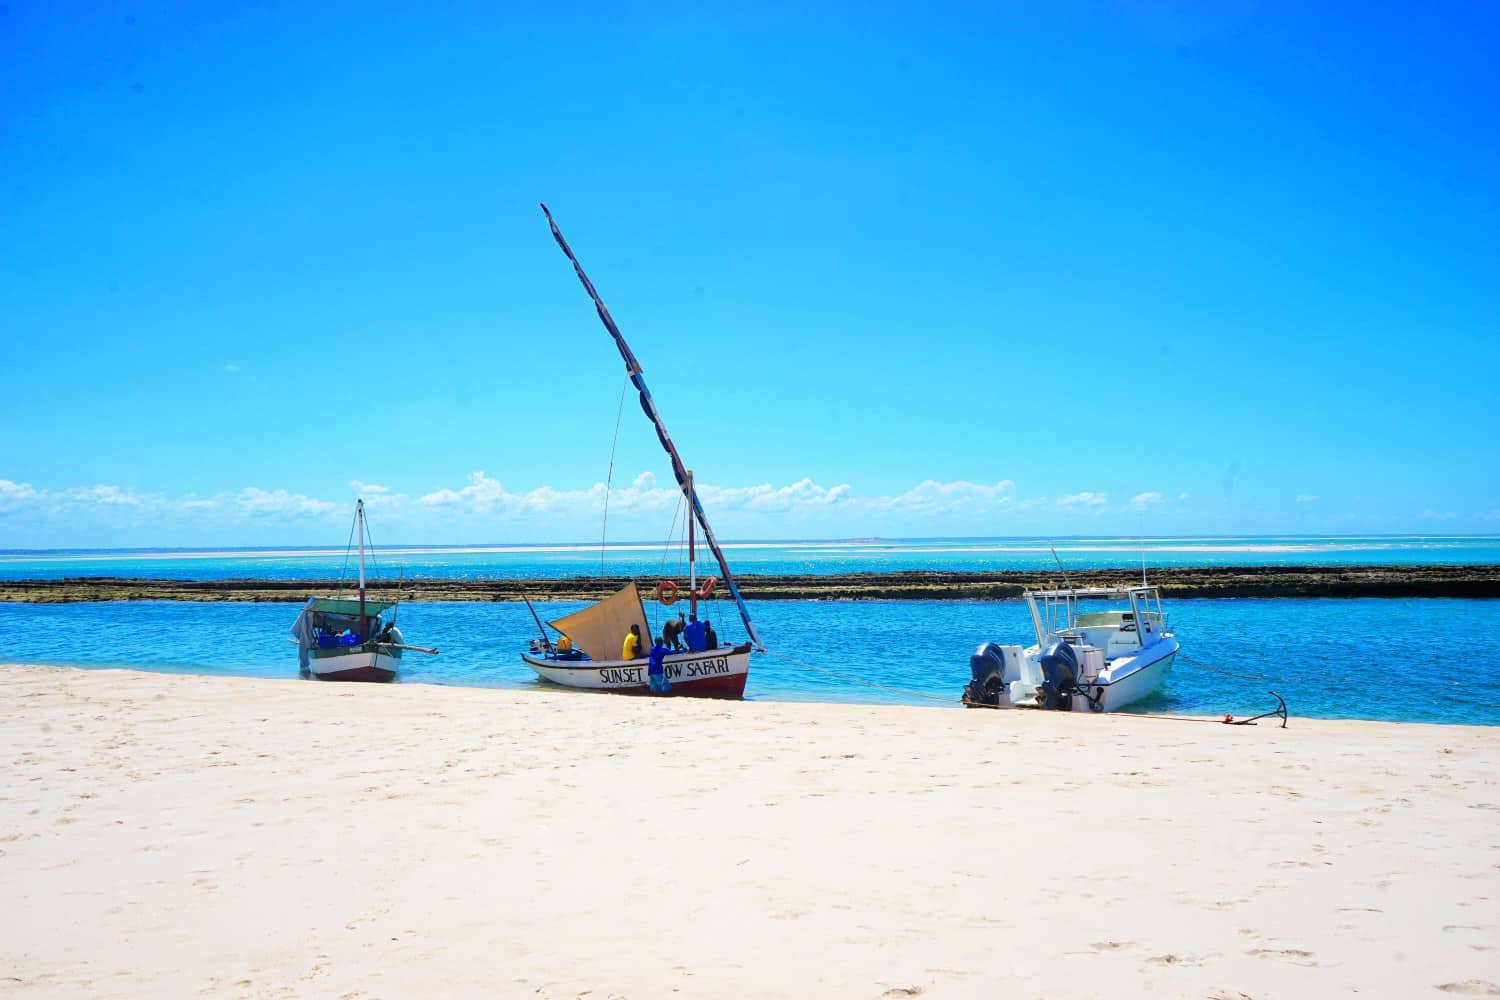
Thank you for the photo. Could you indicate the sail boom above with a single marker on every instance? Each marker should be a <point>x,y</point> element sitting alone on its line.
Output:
<point>648,406</point>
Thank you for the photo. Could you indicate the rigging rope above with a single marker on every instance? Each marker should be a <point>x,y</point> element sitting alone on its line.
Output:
<point>610,478</point>
<point>348,547</point>
<point>671,534</point>
<point>374,563</point>
<point>661,569</point>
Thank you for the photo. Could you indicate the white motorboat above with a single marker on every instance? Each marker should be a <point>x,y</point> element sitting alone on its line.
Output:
<point>1098,660</point>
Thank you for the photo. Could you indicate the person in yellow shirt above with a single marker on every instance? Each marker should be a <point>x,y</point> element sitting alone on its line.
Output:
<point>564,644</point>
<point>632,647</point>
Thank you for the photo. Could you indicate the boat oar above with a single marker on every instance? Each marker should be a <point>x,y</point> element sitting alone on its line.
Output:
<point>414,649</point>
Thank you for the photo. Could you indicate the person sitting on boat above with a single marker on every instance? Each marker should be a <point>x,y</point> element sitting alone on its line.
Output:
<point>632,648</point>
<point>391,634</point>
<point>656,671</point>
<point>694,634</point>
<point>564,644</point>
<point>671,632</point>
<point>710,638</point>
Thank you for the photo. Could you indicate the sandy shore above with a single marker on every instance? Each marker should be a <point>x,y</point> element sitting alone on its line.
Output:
<point>912,585</point>
<point>180,835</point>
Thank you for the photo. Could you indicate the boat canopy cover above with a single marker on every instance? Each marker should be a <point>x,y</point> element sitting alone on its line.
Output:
<point>600,629</point>
<point>350,606</point>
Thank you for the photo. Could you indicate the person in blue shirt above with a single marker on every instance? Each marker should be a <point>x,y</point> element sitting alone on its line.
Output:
<point>656,671</point>
<point>694,634</point>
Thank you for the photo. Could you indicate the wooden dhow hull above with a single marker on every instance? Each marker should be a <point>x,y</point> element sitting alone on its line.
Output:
<point>355,665</point>
<point>710,673</point>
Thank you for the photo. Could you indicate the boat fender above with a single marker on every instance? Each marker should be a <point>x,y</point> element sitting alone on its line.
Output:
<point>666,592</point>
<point>706,591</point>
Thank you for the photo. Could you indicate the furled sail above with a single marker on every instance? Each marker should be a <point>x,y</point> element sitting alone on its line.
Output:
<point>649,406</point>
<point>599,629</point>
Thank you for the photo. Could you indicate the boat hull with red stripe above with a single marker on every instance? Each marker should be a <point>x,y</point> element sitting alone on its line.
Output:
<point>710,673</point>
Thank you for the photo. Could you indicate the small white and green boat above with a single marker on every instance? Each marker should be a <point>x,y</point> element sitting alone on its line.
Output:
<point>348,638</point>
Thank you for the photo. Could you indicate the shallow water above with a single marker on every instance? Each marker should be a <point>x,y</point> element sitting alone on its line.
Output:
<point>880,556</point>
<point>1418,660</point>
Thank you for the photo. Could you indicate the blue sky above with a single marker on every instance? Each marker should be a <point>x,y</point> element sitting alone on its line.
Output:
<point>901,270</point>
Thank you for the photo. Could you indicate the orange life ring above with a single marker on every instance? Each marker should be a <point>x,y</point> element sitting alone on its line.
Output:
<point>666,592</point>
<point>706,590</point>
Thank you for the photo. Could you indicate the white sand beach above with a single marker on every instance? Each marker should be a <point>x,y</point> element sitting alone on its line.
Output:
<point>166,836</point>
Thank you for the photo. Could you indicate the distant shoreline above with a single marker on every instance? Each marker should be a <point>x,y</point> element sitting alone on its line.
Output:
<point>1481,581</point>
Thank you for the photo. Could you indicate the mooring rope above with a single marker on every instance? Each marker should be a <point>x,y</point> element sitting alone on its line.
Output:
<point>861,681</point>
<point>949,701</point>
<point>1243,676</point>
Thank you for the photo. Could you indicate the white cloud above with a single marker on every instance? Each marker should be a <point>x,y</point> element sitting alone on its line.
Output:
<point>232,367</point>
<point>268,503</point>
<point>483,495</point>
<point>376,497</point>
<point>1183,495</point>
<point>931,496</point>
<point>14,496</point>
<point>1141,501</point>
<point>1088,498</point>
<point>108,496</point>
<point>1306,497</point>
<point>767,498</point>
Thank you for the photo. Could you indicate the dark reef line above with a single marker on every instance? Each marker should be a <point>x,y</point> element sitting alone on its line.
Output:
<point>1179,582</point>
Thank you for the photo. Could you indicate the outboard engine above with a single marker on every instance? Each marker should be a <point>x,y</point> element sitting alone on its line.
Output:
<point>1060,672</point>
<point>987,666</point>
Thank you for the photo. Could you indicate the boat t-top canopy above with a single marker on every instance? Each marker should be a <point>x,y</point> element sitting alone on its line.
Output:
<point>1088,592</point>
<point>1057,612</point>
<point>350,606</point>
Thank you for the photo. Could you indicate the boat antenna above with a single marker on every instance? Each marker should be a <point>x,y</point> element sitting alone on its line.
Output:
<point>1143,548</point>
<point>1059,564</point>
<point>359,517</point>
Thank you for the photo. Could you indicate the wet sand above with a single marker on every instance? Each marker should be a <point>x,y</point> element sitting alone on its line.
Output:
<point>165,835</point>
<point>1222,581</point>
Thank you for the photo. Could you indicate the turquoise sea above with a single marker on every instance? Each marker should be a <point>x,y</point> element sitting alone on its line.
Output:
<point>1425,660</point>
<point>864,555</point>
